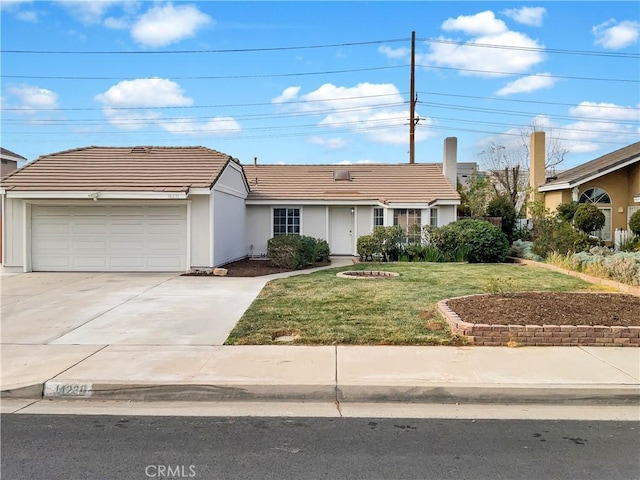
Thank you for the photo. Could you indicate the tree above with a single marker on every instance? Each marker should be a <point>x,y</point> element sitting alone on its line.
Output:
<point>501,206</point>
<point>475,196</point>
<point>508,165</point>
<point>588,218</point>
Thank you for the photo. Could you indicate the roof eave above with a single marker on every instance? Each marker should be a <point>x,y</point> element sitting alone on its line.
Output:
<point>576,182</point>
<point>95,195</point>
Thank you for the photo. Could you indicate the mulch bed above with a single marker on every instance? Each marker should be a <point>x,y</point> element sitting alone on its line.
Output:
<point>251,268</point>
<point>549,308</point>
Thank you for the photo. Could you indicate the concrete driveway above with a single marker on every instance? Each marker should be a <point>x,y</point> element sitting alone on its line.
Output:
<point>122,308</point>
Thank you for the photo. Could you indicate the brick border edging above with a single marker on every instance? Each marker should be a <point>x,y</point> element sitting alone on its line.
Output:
<point>539,335</point>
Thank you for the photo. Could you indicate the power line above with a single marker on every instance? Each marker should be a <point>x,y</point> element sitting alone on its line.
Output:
<point>542,75</point>
<point>228,50</point>
<point>213,77</point>
<point>532,49</point>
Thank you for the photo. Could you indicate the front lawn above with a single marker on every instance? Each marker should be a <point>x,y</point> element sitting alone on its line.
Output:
<point>320,308</point>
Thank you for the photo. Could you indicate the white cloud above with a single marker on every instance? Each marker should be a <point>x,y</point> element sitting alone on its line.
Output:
<point>162,25</point>
<point>335,143</point>
<point>116,23</point>
<point>91,11</point>
<point>606,111</point>
<point>394,53</point>
<point>377,111</point>
<point>483,23</point>
<point>145,92</point>
<point>614,36</point>
<point>487,60</point>
<point>32,99</point>
<point>28,16</point>
<point>130,119</point>
<point>13,4</point>
<point>289,94</point>
<point>218,126</point>
<point>528,84</point>
<point>357,162</point>
<point>531,16</point>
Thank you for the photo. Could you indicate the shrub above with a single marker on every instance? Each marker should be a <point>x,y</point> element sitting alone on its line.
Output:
<point>501,206</point>
<point>621,266</point>
<point>566,211</point>
<point>634,222</point>
<point>296,251</point>
<point>588,218</point>
<point>524,249</point>
<point>368,248</point>
<point>322,252</point>
<point>483,241</point>
<point>554,235</point>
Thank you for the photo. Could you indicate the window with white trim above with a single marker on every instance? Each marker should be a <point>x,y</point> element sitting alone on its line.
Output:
<point>286,221</point>
<point>433,217</point>
<point>598,196</point>
<point>410,220</point>
<point>378,217</point>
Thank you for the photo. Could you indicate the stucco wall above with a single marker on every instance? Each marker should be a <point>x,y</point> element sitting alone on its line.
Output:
<point>314,221</point>
<point>258,229</point>
<point>200,236</point>
<point>12,232</point>
<point>229,216</point>
<point>553,199</point>
<point>364,223</point>
<point>446,214</point>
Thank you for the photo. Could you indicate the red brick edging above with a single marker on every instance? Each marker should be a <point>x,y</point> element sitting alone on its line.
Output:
<point>539,335</point>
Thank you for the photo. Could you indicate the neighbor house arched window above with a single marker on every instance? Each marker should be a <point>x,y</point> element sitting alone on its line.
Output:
<point>599,196</point>
<point>595,195</point>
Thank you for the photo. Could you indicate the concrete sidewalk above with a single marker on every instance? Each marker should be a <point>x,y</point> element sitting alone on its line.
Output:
<point>586,375</point>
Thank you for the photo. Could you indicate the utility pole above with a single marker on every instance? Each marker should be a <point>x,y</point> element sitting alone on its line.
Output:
<point>412,102</point>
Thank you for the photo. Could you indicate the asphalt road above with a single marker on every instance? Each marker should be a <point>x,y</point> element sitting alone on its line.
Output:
<point>72,447</point>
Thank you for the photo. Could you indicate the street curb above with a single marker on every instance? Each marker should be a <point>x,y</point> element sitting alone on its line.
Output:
<point>29,392</point>
<point>498,394</point>
<point>437,393</point>
<point>192,392</point>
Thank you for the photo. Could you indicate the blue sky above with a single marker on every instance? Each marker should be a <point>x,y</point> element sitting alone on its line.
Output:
<point>319,82</point>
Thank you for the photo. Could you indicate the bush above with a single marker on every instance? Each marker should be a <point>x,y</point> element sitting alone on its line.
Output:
<point>368,248</point>
<point>566,211</point>
<point>621,266</point>
<point>501,206</point>
<point>296,251</point>
<point>588,218</point>
<point>482,241</point>
<point>524,249</point>
<point>555,235</point>
<point>634,222</point>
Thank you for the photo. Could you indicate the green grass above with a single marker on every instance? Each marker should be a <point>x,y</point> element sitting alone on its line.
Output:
<point>321,309</point>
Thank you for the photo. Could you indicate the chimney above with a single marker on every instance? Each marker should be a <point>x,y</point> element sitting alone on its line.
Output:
<point>537,160</point>
<point>255,161</point>
<point>450,160</point>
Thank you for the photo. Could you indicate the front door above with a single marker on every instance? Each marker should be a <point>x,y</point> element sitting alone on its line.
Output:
<point>341,230</point>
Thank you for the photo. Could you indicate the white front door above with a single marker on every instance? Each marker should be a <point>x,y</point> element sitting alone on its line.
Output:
<point>341,230</point>
<point>109,238</point>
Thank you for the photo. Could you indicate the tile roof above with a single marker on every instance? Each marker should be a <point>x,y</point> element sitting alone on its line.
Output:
<point>607,162</point>
<point>146,169</point>
<point>397,183</point>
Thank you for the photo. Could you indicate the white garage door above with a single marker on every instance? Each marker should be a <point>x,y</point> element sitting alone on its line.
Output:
<point>109,238</point>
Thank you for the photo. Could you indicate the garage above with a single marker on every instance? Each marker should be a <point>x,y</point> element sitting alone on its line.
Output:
<point>139,238</point>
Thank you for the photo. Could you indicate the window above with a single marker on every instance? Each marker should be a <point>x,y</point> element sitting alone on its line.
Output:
<point>286,221</point>
<point>410,220</point>
<point>595,195</point>
<point>378,217</point>
<point>433,217</point>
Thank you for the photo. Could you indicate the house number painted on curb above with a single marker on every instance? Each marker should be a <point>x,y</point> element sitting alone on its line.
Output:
<point>68,390</point>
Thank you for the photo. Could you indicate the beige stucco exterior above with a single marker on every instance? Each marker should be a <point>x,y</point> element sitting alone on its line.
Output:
<point>622,186</point>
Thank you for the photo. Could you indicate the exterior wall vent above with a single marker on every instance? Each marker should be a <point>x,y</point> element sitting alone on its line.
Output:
<point>140,150</point>
<point>341,175</point>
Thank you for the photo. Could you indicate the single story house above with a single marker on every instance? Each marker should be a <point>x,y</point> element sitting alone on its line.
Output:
<point>611,182</point>
<point>124,209</point>
<point>179,208</point>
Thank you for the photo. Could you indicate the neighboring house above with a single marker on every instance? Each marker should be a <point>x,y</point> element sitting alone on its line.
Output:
<point>611,182</point>
<point>10,162</point>
<point>125,209</point>
<point>178,208</point>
